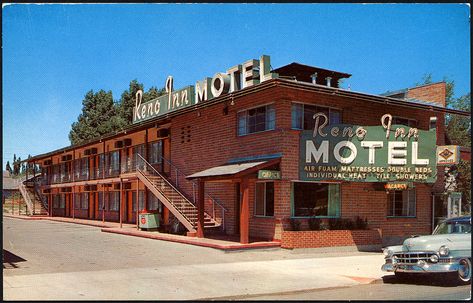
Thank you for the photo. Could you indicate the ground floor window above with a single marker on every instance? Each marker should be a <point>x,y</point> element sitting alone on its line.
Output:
<point>316,199</point>
<point>141,199</point>
<point>402,203</point>
<point>62,201</point>
<point>77,199</point>
<point>114,200</point>
<point>85,201</point>
<point>153,202</point>
<point>264,199</point>
<point>101,201</point>
<point>56,201</point>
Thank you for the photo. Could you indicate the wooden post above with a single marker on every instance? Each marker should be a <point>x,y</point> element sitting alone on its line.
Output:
<point>73,202</point>
<point>137,201</point>
<point>244,212</point>
<point>103,203</point>
<point>200,208</point>
<point>121,202</point>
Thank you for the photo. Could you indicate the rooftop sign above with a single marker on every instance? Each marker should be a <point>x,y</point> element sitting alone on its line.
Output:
<point>237,77</point>
<point>367,153</point>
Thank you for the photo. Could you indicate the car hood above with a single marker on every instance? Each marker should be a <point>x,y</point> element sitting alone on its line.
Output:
<point>433,242</point>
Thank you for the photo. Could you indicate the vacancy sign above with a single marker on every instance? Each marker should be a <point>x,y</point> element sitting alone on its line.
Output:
<point>448,154</point>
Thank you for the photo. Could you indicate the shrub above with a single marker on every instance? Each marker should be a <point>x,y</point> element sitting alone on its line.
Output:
<point>295,225</point>
<point>339,224</point>
<point>314,223</point>
<point>360,223</point>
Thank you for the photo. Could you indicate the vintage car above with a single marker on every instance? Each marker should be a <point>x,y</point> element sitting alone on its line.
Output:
<point>447,250</point>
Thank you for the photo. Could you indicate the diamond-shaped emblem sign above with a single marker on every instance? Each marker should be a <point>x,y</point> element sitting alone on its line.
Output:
<point>446,153</point>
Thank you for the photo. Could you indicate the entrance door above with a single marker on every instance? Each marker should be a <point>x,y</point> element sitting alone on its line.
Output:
<point>439,208</point>
<point>130,214</point>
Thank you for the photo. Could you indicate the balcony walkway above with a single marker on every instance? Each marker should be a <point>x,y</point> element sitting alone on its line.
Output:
<point>225,243</point>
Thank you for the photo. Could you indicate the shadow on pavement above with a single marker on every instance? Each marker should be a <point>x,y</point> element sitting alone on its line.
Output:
<point>437,279</point>
<point>9,259</point>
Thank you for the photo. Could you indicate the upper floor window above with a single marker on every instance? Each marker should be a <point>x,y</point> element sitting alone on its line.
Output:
<point>303,115</point>
<point>155,151</point>
<point>404,121</point>
<point>256,119</point>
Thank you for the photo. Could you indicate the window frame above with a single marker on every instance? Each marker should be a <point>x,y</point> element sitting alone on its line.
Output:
<point>408,119</point>
<point>408,204</point>
<point>264,201</point>
<point>293,208</point>
<point>311,104</point>
<point>265,105</point>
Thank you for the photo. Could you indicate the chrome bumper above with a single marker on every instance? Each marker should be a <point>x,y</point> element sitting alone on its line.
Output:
<point>425,268</point>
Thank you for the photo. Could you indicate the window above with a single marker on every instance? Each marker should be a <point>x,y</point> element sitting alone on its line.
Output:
<point>256,120</point>
<point>113,163</point>
<point>316,199</point>
<point>101,165</point>
<point>85,201</point>
<point>264,199</point>
<point>84,165</point>
<point>303,115</point>
<point>62,201</point>
<point>404,121</point>
<point>114,200</point>
<point>77,199</point>
<point>402,203</point>
<point>101,201</point>
<point>155,151</point>
<point>153,202</point>
<point>56,201</point>
<point>141,195</point>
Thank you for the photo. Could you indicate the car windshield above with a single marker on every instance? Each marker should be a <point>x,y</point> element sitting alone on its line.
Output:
<point>453,227</point>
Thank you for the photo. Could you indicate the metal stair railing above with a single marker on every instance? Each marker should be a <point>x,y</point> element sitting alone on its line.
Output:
<point>41,197</point>
<point>26,197</point>
<point>180,178</point>
<point>146,170</point>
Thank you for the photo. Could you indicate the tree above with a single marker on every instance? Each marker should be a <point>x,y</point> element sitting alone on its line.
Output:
<point>458,130</point>
<point>8,168</point>
<point>128,99</point>
<point>98,117</point>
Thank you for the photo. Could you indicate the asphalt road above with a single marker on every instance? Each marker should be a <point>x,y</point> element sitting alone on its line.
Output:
<point>427,288</point>
<point>49,260</point>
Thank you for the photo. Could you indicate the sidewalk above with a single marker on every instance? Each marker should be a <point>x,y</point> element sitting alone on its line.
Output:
<point>131,230</point>
<point>217,281</point>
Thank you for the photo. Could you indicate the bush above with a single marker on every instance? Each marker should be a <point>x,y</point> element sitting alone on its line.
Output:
<point>339,224</point>
<point>360,223</point>
<point>316,224</point>
<point>295,225</point>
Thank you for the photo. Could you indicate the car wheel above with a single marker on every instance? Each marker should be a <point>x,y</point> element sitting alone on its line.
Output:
<point>464,273</point>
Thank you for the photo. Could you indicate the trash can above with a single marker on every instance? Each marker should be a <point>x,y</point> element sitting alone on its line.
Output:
<point>149,221</point>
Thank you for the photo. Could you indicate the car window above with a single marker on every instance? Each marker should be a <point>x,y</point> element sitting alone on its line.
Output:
<point>452,227</point>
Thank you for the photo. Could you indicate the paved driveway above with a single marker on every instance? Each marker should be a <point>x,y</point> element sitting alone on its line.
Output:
<point>53,260</point>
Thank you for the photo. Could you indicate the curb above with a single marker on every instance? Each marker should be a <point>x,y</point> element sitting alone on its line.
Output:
<point>230,247</point>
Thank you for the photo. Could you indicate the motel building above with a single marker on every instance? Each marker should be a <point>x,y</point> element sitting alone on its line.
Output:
<point>249,151</point>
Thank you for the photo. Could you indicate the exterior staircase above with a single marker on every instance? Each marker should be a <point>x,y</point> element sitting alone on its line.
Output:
<point>177,203</point>
<point>34,203</point>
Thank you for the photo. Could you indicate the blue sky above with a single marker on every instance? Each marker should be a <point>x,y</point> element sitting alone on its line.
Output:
<point>54,54</point>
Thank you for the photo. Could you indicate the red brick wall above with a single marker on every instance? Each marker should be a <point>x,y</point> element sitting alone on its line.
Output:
<point>431,92</point>
<point>328,238</point>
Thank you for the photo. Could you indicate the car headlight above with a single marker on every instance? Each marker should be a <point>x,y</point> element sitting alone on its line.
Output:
<point>444,251</point>
<point>434,258</point>
<point>387,252</point>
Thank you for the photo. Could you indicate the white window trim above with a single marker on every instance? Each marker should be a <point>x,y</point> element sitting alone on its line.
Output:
<point>408,204</point>
<point>250,108</point>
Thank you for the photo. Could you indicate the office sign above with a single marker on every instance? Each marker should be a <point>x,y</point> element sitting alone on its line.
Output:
<point>269,174</point>
<point>367,153</point>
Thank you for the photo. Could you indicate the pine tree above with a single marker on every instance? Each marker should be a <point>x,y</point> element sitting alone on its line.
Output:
<point>98,117</point>
<point>128,99</point>
<point>8,168</point>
